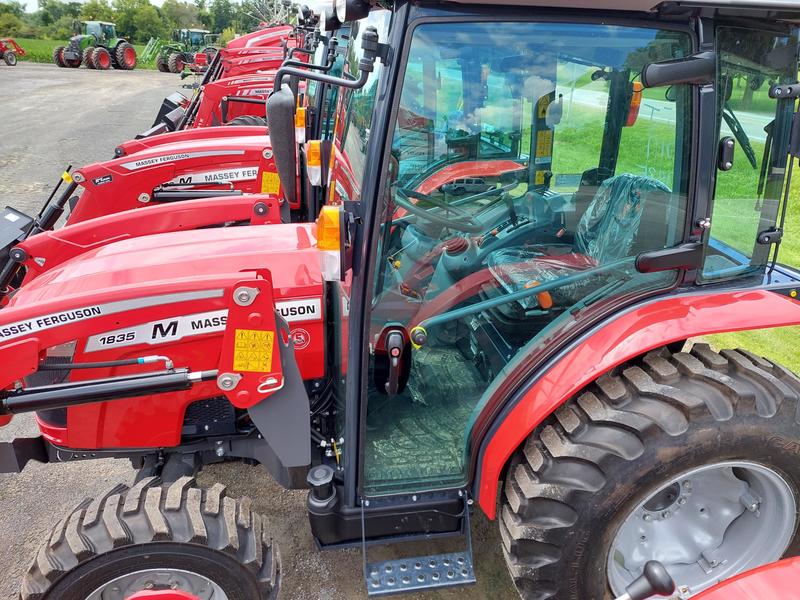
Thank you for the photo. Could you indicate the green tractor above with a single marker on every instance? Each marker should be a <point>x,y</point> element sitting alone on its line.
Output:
<point>172,56</point>
<point>97,46</point>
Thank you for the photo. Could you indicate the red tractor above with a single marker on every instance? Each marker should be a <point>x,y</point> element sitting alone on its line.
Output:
<point>520,345</point>
<point>10,51</point>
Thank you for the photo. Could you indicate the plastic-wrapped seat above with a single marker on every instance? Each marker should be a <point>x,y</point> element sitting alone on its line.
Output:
<point>612,228</point>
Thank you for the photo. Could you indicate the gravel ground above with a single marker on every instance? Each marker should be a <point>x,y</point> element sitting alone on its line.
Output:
<point>51,117</point>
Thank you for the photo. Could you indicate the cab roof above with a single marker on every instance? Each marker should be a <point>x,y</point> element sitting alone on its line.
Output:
<point>791,6</point>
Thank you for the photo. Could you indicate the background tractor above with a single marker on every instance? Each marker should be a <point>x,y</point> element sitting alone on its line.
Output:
<point>172,56</point>
<point>96,46</point>
<point>10,51</point>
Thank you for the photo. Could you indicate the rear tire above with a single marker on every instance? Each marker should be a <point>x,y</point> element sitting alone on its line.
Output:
<point>125,55</point>
<point>88,57</point>
<point>161,65</point>
<point>10,58</point>
<point>169,531</point>
<point>248,120</point>
<point>175,62</point>
<point>58,56</point>
<point>582,474</point>
<point>101,59</point>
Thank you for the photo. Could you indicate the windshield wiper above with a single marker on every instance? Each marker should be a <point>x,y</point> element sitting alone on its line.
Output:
<point>740,135</point>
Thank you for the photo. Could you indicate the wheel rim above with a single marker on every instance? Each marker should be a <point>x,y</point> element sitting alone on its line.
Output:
<point>706,525</point>
<point>126,586</point>
<point>130,56</point>
<point>105,60</point>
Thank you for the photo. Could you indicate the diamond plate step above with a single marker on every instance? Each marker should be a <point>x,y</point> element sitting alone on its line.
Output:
<point>419,573</point>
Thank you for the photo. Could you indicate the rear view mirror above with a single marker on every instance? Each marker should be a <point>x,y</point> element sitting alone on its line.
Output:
<point>280,118</point>
<point>696,69</point>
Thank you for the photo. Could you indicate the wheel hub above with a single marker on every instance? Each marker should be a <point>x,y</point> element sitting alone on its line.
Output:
<point>706,525</point>
<point>153,584</point>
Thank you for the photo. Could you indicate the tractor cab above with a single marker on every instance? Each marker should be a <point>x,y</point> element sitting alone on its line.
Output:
<point>102,32</point>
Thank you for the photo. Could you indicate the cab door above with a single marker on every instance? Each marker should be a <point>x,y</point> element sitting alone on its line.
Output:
<point>749,186</point>
<point>468,285</point>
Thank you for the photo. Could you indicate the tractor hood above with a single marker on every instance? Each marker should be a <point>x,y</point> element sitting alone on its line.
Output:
<point>288,251</point>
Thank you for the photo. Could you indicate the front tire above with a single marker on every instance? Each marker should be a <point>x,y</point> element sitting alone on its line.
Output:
<point>58,56</point>
<point>101,59</point>
<point>589,471</point>
<point>248,121</point>
<point>153,537</point>
<point>88,57</point>
<point>10,58</point>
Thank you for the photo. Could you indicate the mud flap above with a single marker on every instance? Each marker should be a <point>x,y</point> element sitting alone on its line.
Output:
<point>283,418</point>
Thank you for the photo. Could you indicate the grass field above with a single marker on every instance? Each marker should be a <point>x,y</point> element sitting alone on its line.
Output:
<point>42,51</point>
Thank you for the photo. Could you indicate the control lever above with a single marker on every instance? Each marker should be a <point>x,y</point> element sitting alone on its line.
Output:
<point>512,211</point>
<point>654,581</point>
<point>394,347</point>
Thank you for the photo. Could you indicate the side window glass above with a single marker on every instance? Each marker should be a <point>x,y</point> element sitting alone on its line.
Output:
<point>747,195</point>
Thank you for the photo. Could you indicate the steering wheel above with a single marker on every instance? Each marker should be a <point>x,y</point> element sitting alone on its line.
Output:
<point>461,220</point>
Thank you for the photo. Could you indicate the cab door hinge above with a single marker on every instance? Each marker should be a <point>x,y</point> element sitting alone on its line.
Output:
<point>773,235</point>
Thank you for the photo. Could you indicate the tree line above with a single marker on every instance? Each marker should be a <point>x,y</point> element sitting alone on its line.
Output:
<point>136,20</point>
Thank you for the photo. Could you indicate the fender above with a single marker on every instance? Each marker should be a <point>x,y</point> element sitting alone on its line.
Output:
<point>477,168</point>
<point>621,339</point>
<point>49,249</point>
<point>272,36</point>
<point>775,581</point>
<point>184,135</point>
<point>249,64</point>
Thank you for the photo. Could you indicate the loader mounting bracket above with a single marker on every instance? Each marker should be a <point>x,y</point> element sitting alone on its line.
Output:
<point>14,455</point>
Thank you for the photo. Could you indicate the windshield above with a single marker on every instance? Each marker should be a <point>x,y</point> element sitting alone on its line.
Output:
<point>108,31</point>
<point>196,38</point>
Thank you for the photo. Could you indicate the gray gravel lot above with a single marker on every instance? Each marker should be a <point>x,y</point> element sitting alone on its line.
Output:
<point>51,117</point>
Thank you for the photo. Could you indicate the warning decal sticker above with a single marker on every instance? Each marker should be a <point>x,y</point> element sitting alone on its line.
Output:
<point>253,350</point>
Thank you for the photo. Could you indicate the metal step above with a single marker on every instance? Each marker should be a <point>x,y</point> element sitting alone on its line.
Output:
<point>420,573</point>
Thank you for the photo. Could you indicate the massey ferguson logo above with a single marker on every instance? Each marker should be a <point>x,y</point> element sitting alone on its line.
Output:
<point>300,310</point>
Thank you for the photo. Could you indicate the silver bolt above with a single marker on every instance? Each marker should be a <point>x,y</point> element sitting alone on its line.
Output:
<point>647,517</point>
<point>206,427</point>
<point>144,198</point>
<point>78,176</point>
<point>267,154</point>
<point>414,498</point>
<point>220,451</point>
<point>681,501</point>
<point>228,381</point>
<point>244,296</point>
<point>665,514</point>
<point>688,484</point>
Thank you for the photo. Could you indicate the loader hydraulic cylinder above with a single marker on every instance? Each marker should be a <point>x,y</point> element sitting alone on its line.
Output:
<point>101,390</point>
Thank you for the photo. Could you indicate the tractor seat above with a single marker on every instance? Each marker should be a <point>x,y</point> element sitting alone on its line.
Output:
<point>625,217</point>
